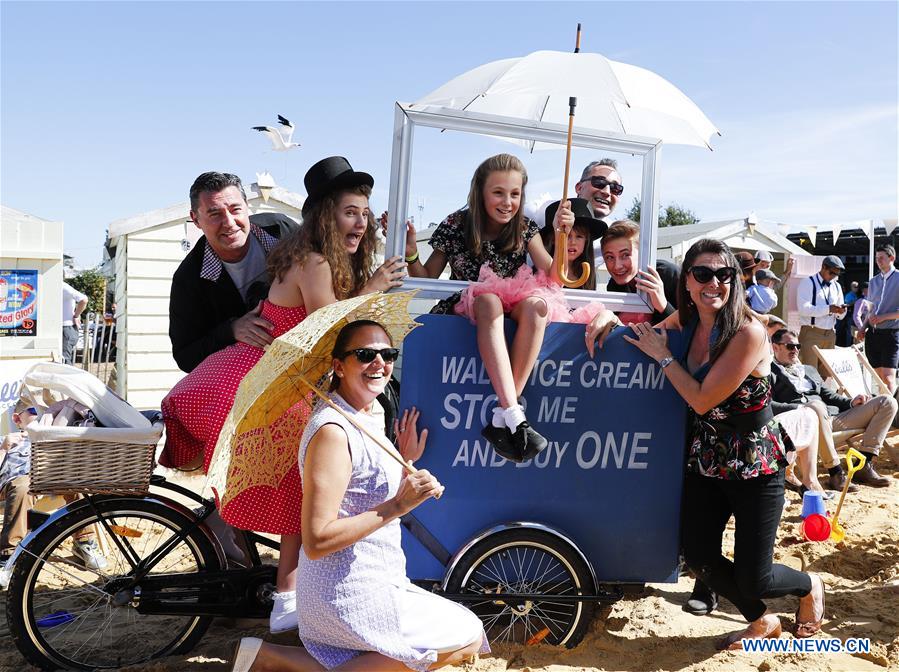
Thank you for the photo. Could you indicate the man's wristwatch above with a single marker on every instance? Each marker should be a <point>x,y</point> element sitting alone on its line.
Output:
<point>666,361</point>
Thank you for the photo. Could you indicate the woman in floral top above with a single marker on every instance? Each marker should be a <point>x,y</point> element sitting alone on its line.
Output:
<point>736,456</point>
<point>487,244</point>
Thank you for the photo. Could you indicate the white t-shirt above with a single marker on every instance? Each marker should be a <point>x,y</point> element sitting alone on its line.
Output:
<point>70,298</point>
<point>248,270</point>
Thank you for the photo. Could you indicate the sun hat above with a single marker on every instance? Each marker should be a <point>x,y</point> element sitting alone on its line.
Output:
<point>582,217</point>
<point>329,174</point>
<point>746,260</point>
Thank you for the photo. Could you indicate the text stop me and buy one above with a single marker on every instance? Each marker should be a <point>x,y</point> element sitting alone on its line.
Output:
<point>592,449</point>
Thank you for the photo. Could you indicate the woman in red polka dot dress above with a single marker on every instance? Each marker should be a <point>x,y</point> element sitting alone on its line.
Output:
<point>328,259</point>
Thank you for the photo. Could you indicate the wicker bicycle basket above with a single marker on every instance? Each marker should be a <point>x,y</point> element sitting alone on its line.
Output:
<point>81,465</point>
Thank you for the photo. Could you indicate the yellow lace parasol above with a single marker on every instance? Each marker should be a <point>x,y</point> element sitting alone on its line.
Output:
<point>259,441</point>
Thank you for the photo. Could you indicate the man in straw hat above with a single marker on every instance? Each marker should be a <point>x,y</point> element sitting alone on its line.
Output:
<point>217,291</point>
<point>820,300</point>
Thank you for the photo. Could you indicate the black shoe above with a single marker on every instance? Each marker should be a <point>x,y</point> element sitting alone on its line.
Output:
<point>837,481</point>
<point>702,600</point>
<point>789,485</point>
<point>868,476</point>
<point>501,440</point>
<point>528,441</point>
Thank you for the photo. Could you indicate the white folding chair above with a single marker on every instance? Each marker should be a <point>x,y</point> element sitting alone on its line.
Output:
<point>853,375</point>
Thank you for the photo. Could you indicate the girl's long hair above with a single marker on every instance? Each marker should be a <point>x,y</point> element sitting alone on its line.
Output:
<point>511,238</point>
<point>319,234</point>
<point>735,312</point>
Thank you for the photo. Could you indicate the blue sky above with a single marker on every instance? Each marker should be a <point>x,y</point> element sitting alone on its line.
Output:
<point>111,109</point>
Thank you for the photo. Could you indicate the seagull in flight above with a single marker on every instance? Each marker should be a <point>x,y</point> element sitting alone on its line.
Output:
<point>280,137</point>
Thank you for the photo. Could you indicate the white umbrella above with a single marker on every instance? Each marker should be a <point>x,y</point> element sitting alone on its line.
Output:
<point>611,96</point>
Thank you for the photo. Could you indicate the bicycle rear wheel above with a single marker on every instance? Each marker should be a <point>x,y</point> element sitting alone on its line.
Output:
<point>62,614</point>
<point>531,562</point>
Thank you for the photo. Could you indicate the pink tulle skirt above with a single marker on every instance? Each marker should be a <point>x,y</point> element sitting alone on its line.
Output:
<point>523,285</point>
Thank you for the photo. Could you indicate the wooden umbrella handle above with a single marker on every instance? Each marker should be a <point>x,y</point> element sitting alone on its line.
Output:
<point>391,450</point>
<point>562,236</point>
<point>387,447</point>
<point>561,244</point>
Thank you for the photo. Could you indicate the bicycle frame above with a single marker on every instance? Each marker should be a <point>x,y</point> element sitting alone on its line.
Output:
<point>239,592</point>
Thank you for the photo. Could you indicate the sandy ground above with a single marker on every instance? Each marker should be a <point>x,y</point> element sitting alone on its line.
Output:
<point>649,631</point>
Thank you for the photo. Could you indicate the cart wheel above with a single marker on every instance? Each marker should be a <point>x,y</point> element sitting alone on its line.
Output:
<point>526,561</point>
<point>63,614</point>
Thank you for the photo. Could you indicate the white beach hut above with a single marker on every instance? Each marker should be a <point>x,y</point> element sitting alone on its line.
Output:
<point>739,234</point>
<point>31,277</point>
<point>145,251</point>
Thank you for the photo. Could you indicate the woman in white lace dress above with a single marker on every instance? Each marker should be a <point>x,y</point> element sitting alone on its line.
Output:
<point>357,609</point>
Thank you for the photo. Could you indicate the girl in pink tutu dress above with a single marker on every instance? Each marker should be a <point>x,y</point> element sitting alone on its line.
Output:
<point>328,259</point>
<point>487,244</point>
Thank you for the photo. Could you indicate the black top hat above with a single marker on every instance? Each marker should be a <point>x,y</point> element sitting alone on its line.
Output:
<point>329,174</point>
<point>582,217</point>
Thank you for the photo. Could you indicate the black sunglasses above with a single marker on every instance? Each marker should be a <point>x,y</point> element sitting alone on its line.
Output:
<point>599,182</point>
<point>704,274</point>
<point>792,346</point>
<point>367,355</point>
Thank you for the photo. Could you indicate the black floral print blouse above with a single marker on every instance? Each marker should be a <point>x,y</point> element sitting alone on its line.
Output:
<point>449,238</point>
<point>716,449</point>
<point>720,453</point>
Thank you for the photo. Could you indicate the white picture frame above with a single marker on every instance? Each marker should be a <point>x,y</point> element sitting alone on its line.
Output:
<point>407,117</point>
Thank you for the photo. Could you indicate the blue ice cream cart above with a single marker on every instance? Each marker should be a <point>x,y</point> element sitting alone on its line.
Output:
<point>531,546</point>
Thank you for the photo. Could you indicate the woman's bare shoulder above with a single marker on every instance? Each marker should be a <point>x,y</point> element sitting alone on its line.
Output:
<point>329,434</point>
<point>752,330</point>
<point>314,264</point>
<point>671,322</point>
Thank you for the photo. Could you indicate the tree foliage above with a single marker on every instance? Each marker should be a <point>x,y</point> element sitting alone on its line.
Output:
<point>672,215</point>
<point>92,283</point>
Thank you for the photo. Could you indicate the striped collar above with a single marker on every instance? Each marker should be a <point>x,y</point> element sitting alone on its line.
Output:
<point>212,264</point>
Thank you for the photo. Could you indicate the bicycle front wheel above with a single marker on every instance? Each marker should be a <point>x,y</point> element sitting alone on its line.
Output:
<point>69,609</point>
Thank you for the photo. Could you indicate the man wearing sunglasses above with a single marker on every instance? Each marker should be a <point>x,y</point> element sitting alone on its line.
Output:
<point>820,300</point>
<point>600,185</point>
<point>797,384</point>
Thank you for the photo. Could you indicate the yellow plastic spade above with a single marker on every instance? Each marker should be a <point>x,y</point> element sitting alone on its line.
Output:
<point>854,461</point>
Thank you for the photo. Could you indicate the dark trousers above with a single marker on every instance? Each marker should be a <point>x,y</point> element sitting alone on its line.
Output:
<point>756,505</point>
